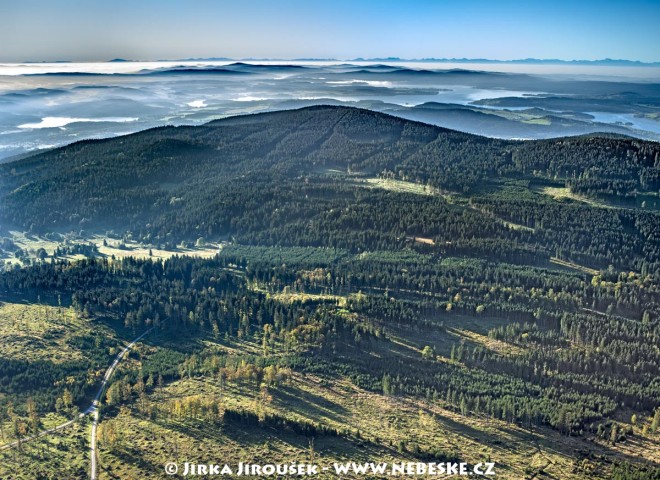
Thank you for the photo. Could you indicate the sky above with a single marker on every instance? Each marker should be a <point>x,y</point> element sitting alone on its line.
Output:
<point>98,30</point>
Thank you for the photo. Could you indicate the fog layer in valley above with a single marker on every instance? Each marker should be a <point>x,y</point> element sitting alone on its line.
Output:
<point>47,105</point>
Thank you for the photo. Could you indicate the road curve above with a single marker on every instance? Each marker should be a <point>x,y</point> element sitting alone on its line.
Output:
<point>92,410</point>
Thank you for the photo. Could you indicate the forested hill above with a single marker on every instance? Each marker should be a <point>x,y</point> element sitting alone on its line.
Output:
<point>325,176</point>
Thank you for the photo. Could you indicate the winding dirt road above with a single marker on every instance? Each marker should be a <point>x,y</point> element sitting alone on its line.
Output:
<point>93,411</point>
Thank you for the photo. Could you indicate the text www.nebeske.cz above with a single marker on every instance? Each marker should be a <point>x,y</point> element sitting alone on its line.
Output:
<point>349,468</point>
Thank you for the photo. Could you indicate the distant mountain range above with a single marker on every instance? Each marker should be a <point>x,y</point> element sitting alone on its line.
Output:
<point>537,61</point>
<point>541,61</point>
<point>549,61</point>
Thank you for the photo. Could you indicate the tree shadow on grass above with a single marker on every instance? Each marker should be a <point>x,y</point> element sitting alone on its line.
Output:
<point>309,404</point>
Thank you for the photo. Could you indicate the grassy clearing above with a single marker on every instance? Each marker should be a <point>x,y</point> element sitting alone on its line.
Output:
<point>498,346</point>
<point>424,240</point>
<point>134,249</point>
<point>374,428</point>
<point>561,193</point>
<point>574,266</point>
<point>190,439</point>
<point>376,425</point>
<point>517,226</point>
<point>291,297</point>
<point>31,244</point>
<point>400,186</point>
<point>451,330</point>
<point>64,455</point>
<point>51,335</point>
<point>43,332</point>
<point>286,295</point>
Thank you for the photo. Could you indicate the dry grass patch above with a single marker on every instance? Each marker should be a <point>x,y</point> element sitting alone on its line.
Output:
<point>560,193</point>
<point>291,297</point>
<point>400,186</point>
<point>382,422</point>
<point>133,249</point>
<point>42,332</point>
<point>574,266</point>
<point>498,346</point>
<point>64,455</point>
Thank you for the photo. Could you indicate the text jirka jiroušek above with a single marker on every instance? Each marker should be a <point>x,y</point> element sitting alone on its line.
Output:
<point>307,469</point>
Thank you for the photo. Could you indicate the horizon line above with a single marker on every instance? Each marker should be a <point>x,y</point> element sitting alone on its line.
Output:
<point>529,60</point>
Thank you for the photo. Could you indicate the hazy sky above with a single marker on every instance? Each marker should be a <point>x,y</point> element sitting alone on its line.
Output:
<point>87,30</point>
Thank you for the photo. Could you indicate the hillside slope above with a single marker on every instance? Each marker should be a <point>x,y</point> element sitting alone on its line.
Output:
<point>296,177</point>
